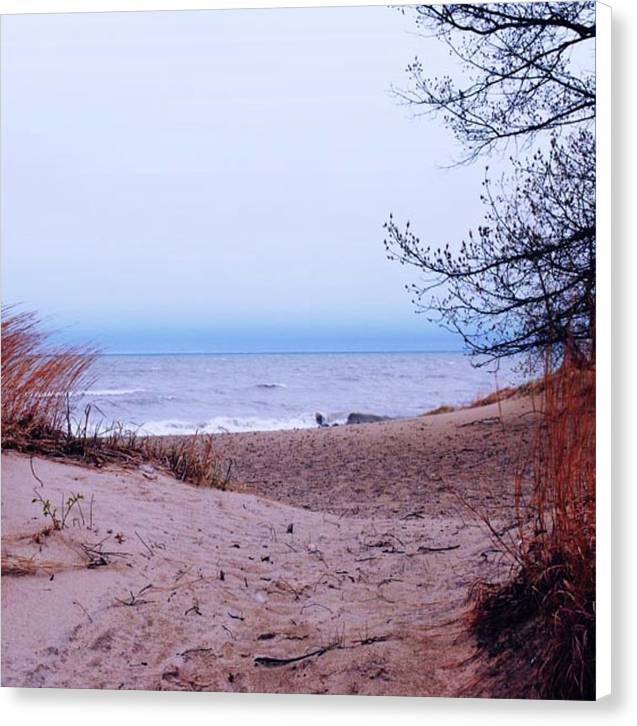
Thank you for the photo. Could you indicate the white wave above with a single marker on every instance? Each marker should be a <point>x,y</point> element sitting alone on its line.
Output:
<point>109,391</point>
<point>338,419</point>
<point>227,424</point>
<point>168,428</point>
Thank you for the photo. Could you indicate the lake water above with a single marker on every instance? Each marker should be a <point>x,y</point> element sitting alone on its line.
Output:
<point>180,394</point>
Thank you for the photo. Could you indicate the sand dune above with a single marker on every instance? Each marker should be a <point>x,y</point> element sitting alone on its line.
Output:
<point>339,564</point>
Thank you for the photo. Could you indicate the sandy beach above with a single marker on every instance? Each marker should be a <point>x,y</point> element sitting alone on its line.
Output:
<point>298,352</point>
<point>338,562</point>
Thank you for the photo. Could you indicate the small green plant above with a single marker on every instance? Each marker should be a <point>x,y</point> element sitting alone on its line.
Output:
<point>50,511</point>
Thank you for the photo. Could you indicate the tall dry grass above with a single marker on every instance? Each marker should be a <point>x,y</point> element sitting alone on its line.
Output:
<point>36,377</point>
<point>38,381</point>
<point>546,611</point>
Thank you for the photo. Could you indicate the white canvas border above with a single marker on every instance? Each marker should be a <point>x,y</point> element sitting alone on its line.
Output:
<point>604,387</point>
<point>376,710</point>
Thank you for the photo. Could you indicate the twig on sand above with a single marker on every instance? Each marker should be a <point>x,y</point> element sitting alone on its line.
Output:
<point>134,599</point>
<point>152,554</point>
<point>35,476</point>
<point>487,421</point>
<point>194,608</point>
<point>90,512</point>
<point>425,550</point>
<point>97,556</point>
<point>230,633</point>
<point>270,662</point>
<point>384,540</point>
<point>317,605</point>
<point>418,514</point>
<point>84,610</point>
<point>372,639</point>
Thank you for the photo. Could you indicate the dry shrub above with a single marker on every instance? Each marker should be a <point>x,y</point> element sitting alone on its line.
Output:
<point>439,410</point>
<point>37,383</point>
<point>502,394</point>
<point>19,566</point>
<point>531,388</point>
<point>36,379</point>
<point>191,458</point>
<point>545,614</point>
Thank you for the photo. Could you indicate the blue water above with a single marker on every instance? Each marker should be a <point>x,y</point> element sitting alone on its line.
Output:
<point>178,394</point>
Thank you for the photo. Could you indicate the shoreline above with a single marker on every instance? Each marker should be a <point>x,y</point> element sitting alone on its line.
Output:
<point>212,394</point>
<point>378,468</point>
<point>358,418</point>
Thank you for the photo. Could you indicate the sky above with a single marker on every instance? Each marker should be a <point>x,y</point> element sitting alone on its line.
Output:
<point>218,180</point>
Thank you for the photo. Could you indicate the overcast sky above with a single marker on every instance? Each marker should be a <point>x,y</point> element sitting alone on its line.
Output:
<point>218,180</point>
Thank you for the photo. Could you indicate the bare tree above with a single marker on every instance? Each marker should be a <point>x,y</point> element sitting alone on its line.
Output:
<point>521,67</point>
<point>525,283</point>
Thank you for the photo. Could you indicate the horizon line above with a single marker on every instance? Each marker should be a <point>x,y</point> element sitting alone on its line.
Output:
<point>280,352</point>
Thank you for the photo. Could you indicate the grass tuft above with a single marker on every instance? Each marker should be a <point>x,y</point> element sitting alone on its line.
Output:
<point>38,381</point>
<point>439,410</point>
<point>530,388</point>
<point>20,566</point>
<point>545,613</point>
<point>36,378</point>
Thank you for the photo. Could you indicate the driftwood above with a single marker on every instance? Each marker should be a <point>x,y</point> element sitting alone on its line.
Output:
<point>418,514</point>
<point>270,662</point>
<point>425,550</point>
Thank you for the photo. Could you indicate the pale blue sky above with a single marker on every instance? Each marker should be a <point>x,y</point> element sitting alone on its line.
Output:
<point>211,181</point>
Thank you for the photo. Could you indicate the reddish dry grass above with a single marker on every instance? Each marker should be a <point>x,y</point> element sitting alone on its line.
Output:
<point>546,611</point>
<point>439,410</point>
<point>37,382</point>
<point>531,388</point>
<point>36,379</point>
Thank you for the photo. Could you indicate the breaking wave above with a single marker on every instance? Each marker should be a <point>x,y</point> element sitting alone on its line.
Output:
<point>109,391</point>
<point>226,424</point>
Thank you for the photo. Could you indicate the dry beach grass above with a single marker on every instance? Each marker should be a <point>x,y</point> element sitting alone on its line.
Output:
<point>545,613</point>
<point>37,382</point>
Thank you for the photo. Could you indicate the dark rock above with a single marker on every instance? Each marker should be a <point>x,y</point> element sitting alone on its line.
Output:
<point>320,420</point>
